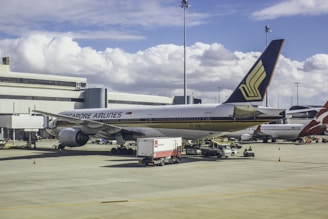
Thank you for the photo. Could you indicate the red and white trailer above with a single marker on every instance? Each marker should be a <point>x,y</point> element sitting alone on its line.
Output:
<point>158,151</point>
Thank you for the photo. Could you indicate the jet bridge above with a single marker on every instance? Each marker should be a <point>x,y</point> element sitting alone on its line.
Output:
<point>29,123</point>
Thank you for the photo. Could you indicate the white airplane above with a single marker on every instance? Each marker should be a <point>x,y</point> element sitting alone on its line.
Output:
<point>301,114</point>
<point>73,128</point>
<point>291,132</point>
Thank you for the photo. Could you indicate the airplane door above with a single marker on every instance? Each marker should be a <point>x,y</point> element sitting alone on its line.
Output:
<point>207,117</point>
<point>149,119</point>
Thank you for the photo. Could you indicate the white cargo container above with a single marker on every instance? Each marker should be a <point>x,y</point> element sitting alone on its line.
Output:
<point>158,151</point>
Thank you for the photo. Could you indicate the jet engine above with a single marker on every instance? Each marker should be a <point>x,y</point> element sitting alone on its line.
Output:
<point>246,137</point>
<point>72,137</point>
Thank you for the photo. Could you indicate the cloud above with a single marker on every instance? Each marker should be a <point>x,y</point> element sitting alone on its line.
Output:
<point>158,70</point>
<point>311,76</point>
<point>317,62</point>
<point>292,8</point>
<point>97,19</point>
<point>216,53</point>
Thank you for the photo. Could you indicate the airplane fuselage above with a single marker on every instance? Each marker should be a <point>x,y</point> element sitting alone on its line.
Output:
<point>282,131</point>
<point>174,121</point>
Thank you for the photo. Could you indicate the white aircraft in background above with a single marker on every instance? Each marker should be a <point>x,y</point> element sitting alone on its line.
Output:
<point>74,128</point>
<point>291,132</point>
<point>301,113</point>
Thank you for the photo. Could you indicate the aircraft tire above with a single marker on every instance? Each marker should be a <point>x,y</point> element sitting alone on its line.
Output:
<point>162,163</point>
<point>130,151</point>
<point>113,151</point>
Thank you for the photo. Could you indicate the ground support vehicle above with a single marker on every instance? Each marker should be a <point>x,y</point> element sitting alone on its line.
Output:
<point>236,144</point>
<point>192,149</point>
<point>126,149</point>
<point>99,141</point>
<point>249,153</point>
<point>103,141</point>
<point>214,148</point>
<point>3,142</point>
<point>234,150</point>
<point>211,151</point>
<point>159,151</point>
<point>123,150</point>
<point>221,151</point>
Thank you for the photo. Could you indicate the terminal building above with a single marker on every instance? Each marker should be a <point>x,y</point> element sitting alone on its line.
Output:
<point>21,93</point>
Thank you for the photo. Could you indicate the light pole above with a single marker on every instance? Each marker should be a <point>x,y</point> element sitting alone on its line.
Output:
<point>297,83</point>
<point>184,5</point>
<point>219,90</point>
<point>267,30</point>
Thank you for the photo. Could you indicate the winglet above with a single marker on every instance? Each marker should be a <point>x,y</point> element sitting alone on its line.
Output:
<point>254,85</point>
<point>318,124</point>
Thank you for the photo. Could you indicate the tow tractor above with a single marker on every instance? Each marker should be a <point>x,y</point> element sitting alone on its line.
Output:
<point>249,152</point>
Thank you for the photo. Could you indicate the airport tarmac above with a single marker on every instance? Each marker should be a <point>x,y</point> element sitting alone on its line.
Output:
<point>284,180</point>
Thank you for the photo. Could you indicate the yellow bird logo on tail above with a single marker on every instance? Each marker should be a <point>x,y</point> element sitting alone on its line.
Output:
<point>250,89</point>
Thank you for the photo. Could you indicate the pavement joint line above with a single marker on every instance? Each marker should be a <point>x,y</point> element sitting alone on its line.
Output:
<point>115,201</point>
<point>169,198</point>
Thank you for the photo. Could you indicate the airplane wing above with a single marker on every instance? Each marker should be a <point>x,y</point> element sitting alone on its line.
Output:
<point>304,110</point>
<point>86,123</point>
<point>259,134</point>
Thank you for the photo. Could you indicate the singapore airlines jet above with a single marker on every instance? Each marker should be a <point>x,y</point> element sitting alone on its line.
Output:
<point>73,128</point>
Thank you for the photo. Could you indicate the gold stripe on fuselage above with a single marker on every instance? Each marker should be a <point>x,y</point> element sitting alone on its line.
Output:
<point>202,125</point>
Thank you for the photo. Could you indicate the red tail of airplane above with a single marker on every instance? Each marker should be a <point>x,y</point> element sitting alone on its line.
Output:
<point>318,124</point>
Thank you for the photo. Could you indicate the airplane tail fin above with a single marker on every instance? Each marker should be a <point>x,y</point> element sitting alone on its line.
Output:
<point>318,124</point>
<point>254,85</point>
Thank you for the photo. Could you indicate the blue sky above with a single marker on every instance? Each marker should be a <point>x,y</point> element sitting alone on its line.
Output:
<point>132,45</point>
<point>238,25</point>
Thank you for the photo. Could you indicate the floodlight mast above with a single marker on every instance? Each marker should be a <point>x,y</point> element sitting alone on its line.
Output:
<point>184,5</point>
<point>297,84</point>
<point>267,30</point>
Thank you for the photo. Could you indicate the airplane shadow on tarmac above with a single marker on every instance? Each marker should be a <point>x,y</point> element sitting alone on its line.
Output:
<point>186,159</point>
<point>131,160</point>
<point>50,153</point>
